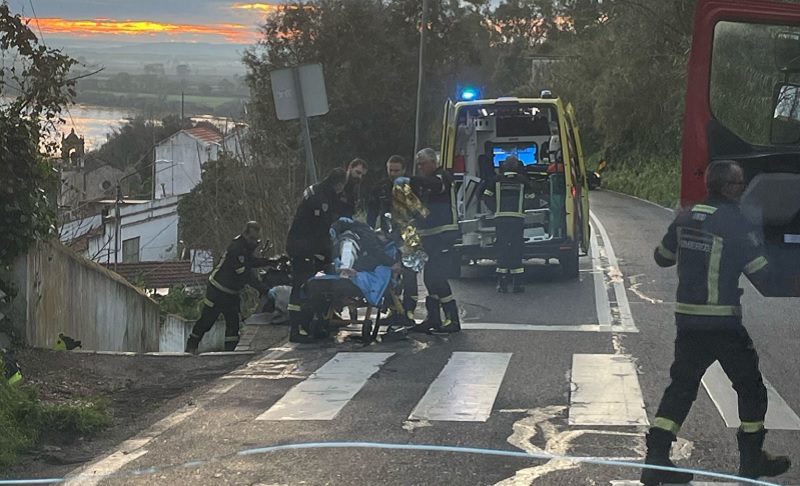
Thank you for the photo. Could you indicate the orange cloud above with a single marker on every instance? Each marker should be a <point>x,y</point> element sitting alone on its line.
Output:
<point>87,28</point>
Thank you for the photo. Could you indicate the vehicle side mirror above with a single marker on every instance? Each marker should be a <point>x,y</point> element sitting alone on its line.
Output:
<point>785,126</point>
<point>786,46</point>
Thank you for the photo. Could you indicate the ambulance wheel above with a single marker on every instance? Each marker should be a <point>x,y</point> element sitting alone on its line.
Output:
<point>569,263</point>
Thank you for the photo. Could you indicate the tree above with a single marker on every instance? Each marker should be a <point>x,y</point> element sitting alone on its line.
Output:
<point>36,79</point>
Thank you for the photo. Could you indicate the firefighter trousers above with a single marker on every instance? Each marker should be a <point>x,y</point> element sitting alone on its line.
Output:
<point>215,303</point>
<point>509,245</point>
<point>436,273</point>
<point>409,289</point>
<point>300,312</point>
<point>695,351</point>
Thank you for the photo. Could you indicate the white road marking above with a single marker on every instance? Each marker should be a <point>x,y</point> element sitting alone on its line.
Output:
<point>602,304</point>
<point>618,280</point>
<point>465,390</point>
<point>693,483</point>
<point>326,392</point>
<point>492,326</point>
<point>605,391</point>
<point>779,415</point>
<point>672,211</point>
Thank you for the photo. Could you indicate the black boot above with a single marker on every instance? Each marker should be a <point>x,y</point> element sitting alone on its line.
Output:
<point>434,318</point>
<point>659,442</point>
<point>518,287</point>
<point>502,284</point>
<point>191,344</point>
<point>451,323</point>
<point>754,461</point>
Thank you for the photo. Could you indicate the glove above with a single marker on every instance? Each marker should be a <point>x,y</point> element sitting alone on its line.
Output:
<point>402,181</point>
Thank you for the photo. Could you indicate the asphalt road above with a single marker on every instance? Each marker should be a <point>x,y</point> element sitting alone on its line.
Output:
<point>574,377</point>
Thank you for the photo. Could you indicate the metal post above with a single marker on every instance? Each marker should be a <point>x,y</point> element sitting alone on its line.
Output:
<point>301,108</point>
<point>117,225</point>
<point>422,40</point>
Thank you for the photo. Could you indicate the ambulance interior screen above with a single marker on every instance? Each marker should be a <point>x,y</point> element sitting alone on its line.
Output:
<point>527,154</point>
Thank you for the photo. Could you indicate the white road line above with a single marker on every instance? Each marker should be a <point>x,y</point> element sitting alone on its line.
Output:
<point>693,483</point>
<point>465,390</point>
<point>643,200</point>
<point>491,326</point>
<point>617,279</point>
<point>600,290</point>
<point>326,392</point>
<point>605,391</point>
<point>779,415</point>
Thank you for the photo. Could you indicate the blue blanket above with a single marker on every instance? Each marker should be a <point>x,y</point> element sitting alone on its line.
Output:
<point>372,284</point>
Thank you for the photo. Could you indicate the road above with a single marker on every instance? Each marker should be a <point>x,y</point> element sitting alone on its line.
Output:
<point>568,368</point>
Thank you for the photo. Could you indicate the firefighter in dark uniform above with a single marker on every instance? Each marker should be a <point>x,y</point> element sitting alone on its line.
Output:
<point>506,197</point>
<point>378,205</point>
<point>225,284</point>
<point>310,248</point>
<point>350,202</point>
<point>712,245</point>
<point>439,232</point>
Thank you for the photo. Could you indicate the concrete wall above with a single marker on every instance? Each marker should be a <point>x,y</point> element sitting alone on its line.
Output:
<point>175,331</point>
<point>179,162</point>
<point>64,292</point>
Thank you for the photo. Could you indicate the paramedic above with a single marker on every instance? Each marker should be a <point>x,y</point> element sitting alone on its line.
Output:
<point>505,195</point>
<point>351,198</point>
<point>225,283</point>
<point>309,246</point>
<point>713,244</point>
<point>378,205</point>
<point>439,232</point>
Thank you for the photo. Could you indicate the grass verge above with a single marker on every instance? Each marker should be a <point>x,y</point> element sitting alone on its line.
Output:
<point>654,178</point>
<point>24,419</point>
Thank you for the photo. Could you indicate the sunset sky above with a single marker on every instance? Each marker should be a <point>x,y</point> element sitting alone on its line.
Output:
<point>216,21</point>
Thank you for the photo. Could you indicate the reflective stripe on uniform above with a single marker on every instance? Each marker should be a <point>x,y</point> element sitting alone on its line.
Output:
<point>664,252</point>
<point>756,265</point>
<point>438,230</point>
<point>488,192</point>
<point>667,424</point>
<point>240,270</point>
<point>714,262</point>
<point>517,271</point>
<point>501,270</point>
<point>294,308</point>
<point>221,287</point>
<point>709,310</point>
<point>751,427</point>
<point>447,299</point>
<point>520,212</point>
<point>702,208</point>
<point>15,378</point>
<point>208,302</point>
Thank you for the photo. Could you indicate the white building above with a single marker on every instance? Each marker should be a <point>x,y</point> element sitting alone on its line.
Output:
<point>148,233</point>
<point>180,158</point>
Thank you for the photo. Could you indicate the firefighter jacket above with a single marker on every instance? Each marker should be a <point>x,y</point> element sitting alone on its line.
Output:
<point>438,194</point>
<point>712,244</point>
<point>233,271</point>
<point>380,203</point>
<point>309,235</point>
<point>505,195</point>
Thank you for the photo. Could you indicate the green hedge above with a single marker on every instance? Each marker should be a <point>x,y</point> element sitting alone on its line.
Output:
<point>656,179</point>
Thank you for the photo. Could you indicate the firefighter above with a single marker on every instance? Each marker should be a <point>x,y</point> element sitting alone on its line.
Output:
<point>439,232</point>
<point>351,197</point>
<point>378,205</point>
<point>506,197</point>
<point>712,245</point>
<point>225,284</point>
<point>309,246</point>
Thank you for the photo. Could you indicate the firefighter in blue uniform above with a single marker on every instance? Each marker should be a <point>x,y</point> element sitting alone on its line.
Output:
<point>439,232</point>
<point>225,284</point>
<point>505,195</point>
<point>310,248</point>
<point>712,245</point>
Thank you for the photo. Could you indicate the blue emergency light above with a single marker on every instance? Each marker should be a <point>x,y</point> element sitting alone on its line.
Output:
<point>469,94</point>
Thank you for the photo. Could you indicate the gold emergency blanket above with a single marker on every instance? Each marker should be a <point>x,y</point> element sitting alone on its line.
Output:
<point>405,206</point>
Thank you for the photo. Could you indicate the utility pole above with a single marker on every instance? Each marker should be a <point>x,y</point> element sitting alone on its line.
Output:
<point>422,40</point>
<point>301,107</point>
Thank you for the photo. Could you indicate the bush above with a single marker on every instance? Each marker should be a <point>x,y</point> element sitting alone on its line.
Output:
<point>24,419</point>
<point>654,178</point>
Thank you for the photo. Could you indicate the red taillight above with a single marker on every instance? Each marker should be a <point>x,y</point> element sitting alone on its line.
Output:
<point>565,247</point>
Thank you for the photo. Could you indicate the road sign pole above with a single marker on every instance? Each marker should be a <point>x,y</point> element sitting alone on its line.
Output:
<point>306,134</point>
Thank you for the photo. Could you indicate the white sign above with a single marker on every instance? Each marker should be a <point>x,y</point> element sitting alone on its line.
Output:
<point>312,87</point>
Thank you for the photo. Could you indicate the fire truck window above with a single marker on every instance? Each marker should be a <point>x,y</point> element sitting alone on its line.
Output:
<point>743,78</point>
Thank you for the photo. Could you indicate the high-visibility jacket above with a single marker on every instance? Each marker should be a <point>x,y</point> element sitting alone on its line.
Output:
<point>506,195</point>
<point>438,194</point>
<point>712,244</point>
<point>232,272</point>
